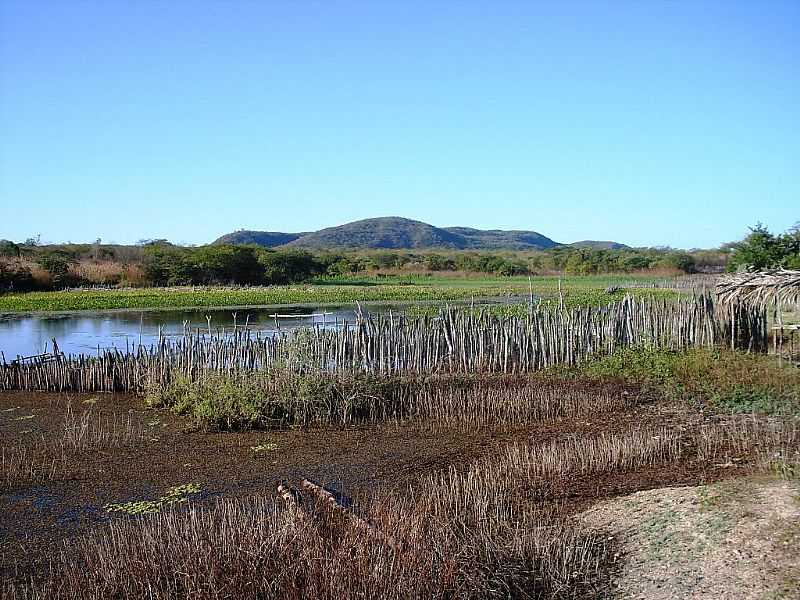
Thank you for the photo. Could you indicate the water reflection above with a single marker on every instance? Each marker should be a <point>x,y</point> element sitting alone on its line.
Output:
<point>84,333</point>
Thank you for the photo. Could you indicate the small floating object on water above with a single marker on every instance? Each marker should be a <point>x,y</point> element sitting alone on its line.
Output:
<point>302,316</point>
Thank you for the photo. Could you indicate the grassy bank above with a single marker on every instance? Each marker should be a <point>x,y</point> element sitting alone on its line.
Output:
<point>719,379</point>
<point>576,290</point>
<point>280,399</point>
<point>212,296</point>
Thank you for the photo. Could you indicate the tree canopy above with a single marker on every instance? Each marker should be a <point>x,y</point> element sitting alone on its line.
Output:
<point>764,250</point>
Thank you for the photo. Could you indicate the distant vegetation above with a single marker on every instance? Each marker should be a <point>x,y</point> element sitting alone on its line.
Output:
<point>763,250</point>
<point>30,268</point>
<point>406,248</point>
<point>267,239</point>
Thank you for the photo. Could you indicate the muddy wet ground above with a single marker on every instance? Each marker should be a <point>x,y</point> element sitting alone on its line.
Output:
<point>38,520</point>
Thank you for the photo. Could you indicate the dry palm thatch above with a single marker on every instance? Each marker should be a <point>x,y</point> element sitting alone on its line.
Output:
<point>779,286</point>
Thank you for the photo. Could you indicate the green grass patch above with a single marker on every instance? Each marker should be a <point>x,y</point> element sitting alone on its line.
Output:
<point>280,398</point>
<point>577,291</point>
<point>210,297</point>
<point>725,380</point>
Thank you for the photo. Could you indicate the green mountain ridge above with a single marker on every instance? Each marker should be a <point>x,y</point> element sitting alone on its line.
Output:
<point>396,233</point>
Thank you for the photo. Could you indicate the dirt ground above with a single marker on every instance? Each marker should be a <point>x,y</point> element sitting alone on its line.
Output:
<point>38,520</point>
<point>731,540</point>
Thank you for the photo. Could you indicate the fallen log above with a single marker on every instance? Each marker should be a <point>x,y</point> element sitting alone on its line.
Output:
<point>364,525</point>
<point>292,498</point>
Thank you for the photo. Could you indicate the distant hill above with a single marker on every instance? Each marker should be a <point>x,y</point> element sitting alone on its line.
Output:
<point>268,239</point>
<point>599,245</point>
<point>383,232</point>
<point>494,239</point>
<point>398,233</point>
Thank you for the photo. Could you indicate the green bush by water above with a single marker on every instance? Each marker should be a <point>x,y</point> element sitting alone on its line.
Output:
<point>281,398</point>
<point>722,379</point>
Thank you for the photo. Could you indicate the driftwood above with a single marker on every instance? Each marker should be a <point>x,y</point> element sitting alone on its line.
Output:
<point>289,494</point>
<point>295,501</point>
<point>367,527</point>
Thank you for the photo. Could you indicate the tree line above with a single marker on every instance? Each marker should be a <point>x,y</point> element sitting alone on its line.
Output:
<point>29,266</point>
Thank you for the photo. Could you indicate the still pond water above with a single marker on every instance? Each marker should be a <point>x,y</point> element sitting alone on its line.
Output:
<point>83,333</point>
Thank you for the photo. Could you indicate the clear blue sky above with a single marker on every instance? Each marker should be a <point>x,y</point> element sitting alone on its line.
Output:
<point>647,122</point>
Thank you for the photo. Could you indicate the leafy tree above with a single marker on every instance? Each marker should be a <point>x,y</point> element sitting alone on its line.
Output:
<point>679,260</point>
<point>289,266</point>
<point>165,264</point>
<point>636,262</point>
<point>763,250</point>
<point>227,264</point>
<point>9,249</point>
<point>437,262</point>
<point>57,263</point>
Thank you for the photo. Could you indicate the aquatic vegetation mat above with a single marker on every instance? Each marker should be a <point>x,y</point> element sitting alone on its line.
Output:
<point>174,495</point>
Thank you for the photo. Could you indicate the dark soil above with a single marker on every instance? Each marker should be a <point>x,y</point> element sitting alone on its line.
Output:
<point>37,521</point>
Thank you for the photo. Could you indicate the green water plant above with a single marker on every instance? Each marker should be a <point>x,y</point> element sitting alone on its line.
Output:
<point>173,496</point>
<point>264,447</point>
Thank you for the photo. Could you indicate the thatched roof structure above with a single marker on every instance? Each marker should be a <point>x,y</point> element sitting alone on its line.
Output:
<point>761,287</point>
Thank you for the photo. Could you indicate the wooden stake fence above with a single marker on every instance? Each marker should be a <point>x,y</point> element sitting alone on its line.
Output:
<point>455,341</point>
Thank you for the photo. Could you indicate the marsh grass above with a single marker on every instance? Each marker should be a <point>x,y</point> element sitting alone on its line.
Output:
<point>725,380</point>
<point>460,533</point>
<point>22,466</point>
<point>48,458</point>
<point>97,430</point>
<point>262,548</point>
<point>284,398</point>
<point>773,445</point>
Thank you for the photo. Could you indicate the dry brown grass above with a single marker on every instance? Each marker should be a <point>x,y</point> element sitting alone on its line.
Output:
<point>134,276</point>
<point>524,468</point>
<point>460,533</point>
<point>91,430</point>
<point>506,402</point>
<point>98,272</point>
<point>771,444</point>
<point>261,548</point>
<point>22,466</point>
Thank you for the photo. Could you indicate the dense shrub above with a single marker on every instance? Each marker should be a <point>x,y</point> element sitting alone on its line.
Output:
<point>57,263</point>
<point>289,266</point>
<point>763,250</point>
<point>165,264</point>
<point>9,249</point>
<point>226,264</point>
<point>279,398</point>
<point>15,277</point>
